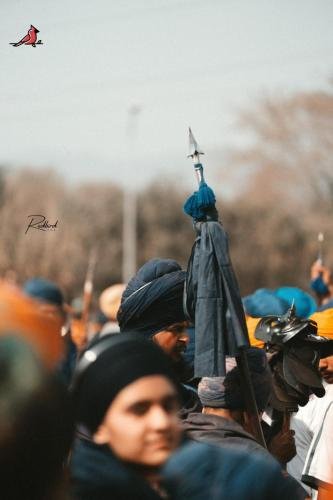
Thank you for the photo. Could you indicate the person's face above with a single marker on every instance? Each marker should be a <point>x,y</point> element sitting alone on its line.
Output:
<point>326,369</point>
<point>141,425</point>
<point>173,340</point>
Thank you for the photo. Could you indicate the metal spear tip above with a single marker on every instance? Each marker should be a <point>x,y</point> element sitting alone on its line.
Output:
<point>194,149</point>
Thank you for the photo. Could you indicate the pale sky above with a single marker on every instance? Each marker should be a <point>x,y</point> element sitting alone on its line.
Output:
<point>66,103</point>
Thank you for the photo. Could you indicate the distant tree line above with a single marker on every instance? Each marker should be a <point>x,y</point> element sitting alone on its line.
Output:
<point>284,199</point>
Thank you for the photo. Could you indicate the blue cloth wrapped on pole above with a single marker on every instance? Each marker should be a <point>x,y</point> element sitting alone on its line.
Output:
<point>213,301</point>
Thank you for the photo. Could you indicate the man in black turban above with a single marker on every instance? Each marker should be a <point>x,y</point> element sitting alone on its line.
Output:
<point>152,304</point>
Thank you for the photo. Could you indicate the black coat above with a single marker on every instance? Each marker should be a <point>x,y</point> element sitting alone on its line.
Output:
<point>97,475</point>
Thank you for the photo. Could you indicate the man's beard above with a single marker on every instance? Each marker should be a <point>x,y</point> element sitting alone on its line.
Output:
<point>183,370</point>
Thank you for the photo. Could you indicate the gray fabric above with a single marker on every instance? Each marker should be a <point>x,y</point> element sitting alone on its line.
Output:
<point>214,302</point>
<point>219,430</point>
<point>226,392</point>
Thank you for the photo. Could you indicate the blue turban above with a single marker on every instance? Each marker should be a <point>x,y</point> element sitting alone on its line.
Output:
<point>264,302</point>
<point>44,290</point>
<point>304,303</point>
<point>226,392</point>
<point>153,299</point>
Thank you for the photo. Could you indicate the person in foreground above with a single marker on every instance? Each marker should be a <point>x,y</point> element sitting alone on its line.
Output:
<point>127,396</point>
<point>128,399</point>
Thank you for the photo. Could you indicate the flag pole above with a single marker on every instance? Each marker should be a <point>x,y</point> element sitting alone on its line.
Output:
<point>241,358</point>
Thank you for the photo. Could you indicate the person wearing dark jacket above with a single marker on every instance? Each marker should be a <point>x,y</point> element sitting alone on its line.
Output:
<point>216,429</point>
<point>127,398</point>
<point>99,475</point>
<point>223,419</point>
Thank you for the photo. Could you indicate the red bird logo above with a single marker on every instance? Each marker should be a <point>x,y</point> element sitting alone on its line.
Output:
<point>29,39</point>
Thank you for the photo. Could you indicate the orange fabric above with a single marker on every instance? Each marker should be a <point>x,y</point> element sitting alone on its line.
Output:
<point>23,315</point>
<point>324,320</point>
<point>79,333</point>
<point>251,324</point>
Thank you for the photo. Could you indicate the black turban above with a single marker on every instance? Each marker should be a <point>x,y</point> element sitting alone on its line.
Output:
<point>153,299</point>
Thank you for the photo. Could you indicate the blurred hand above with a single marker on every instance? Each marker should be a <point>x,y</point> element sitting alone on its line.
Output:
<point>318,269</point>
<point>282,446</point>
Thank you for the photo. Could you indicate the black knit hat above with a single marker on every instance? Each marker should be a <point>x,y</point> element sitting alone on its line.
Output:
<point>110,365</point>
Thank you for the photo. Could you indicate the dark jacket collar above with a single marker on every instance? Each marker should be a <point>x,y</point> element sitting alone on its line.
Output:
<point>96,473</point>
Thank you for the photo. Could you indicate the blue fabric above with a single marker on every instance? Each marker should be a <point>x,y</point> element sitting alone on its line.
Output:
<point>66,366</point>
<point>188,355</point>
<point>97,474</point>
<point>304,303</point>
<point>153,299</point>
<point>205,196</point>
<point>201,471</point>
<point>264,302</point>
<point>191,207</point>
<point>213,301</point>
<point>44,290</point>
<point>198,203</point>
<point>318,286</point>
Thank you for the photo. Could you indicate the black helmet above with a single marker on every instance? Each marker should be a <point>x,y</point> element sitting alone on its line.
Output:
<point>278,330</point>
<point>295,364</point>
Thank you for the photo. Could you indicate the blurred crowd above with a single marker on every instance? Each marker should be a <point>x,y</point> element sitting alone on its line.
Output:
<point>103,403</point>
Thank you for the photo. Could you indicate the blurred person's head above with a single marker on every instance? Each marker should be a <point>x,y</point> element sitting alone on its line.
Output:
<point>304,303</point>
<point>324,320</point>
<point>264,302</point>
<point>36,424</point>
<point>152,304</point>
<point>326,368</point>
<point>267,302</point>
<point>127,396</point>
<point>225,396</point>
<point>109,300</point>
<point>48,295</point>
<point>23,314</point>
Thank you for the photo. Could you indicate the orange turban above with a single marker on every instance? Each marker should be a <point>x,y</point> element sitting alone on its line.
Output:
<point>251,324</point>
<point>24,316</point>
<point>324,320</point>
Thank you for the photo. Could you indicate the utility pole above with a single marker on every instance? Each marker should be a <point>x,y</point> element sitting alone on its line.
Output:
<point>130,202</point>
